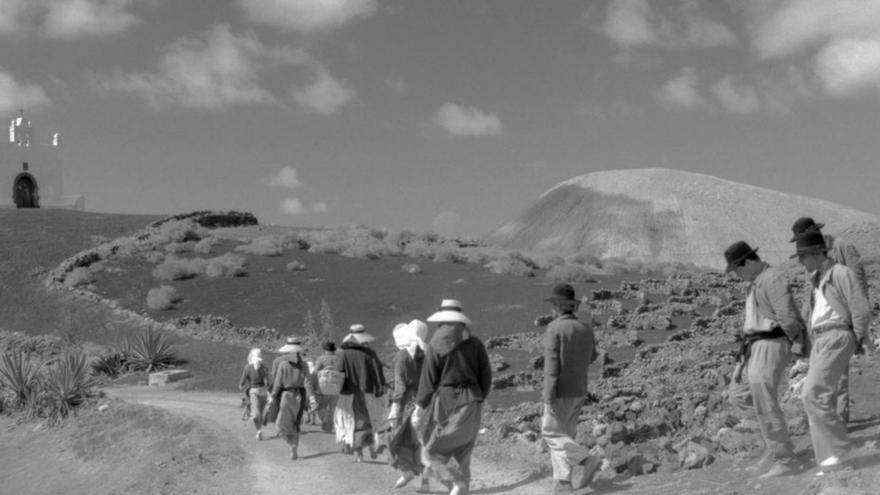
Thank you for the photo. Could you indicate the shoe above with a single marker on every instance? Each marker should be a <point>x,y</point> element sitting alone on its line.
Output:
<point>259,435</point>
<point>583,473</point>
<point>829,465</point>
<point>293,454</point>
<point>373,454</point>
<point>562,486</point>
<point>777,469</point>
<point>459,489</point>
<point>425,486</point>
<point>404,480</point>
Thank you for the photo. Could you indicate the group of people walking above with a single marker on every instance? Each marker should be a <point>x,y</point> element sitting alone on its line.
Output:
<point>832,326</point>
<point>435,396</point>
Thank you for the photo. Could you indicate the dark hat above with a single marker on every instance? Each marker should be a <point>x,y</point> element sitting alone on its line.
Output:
<point>736,253</point>
<point>562,293</point>
<point>804,224</point>
<point>810,243</point>
<point>329,346</point>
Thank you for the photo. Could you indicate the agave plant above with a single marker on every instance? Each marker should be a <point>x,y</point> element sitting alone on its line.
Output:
<point>111,364</point>
<point>21,376</point>
<point>149,351</point>
<point>66,385</point>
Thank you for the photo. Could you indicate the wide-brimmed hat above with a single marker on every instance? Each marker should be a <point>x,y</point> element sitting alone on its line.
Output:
<point>736,253</point>
<point>450,312</point>
<point>810,243</point>
<point>562,293</point>
<point>329,346</point>
<point>359,334</point>
<point>294,344</point>
<point>803,225</point>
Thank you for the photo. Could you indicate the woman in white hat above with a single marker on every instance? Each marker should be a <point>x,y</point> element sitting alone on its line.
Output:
<point>456,378</point>
<point>290,387</point>
<point>403,445</point>
<point>360,408</point>
<point>255,382</point>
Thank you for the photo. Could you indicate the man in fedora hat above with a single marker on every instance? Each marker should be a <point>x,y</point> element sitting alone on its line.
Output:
<point>837,316</point>
<point>771,328</point>
<point>456,378</point>
<point>846,254</point>
<point>569,349</point>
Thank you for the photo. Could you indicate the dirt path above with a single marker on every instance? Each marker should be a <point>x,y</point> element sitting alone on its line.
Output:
<point>321,468</point>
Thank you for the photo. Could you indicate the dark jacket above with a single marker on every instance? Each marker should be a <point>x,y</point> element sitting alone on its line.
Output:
<point>363,370</point>
<point>291,374</point>
<point>569,349</point>
<point>407,372</point>
<point>456,368</point>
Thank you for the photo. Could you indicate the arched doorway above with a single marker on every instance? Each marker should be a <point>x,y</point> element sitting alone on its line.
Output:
<point>25,192</point>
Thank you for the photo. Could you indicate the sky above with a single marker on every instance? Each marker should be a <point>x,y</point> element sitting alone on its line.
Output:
<point>447,115</point>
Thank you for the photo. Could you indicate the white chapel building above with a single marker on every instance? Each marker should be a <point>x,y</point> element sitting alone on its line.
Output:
<point>30,172</point>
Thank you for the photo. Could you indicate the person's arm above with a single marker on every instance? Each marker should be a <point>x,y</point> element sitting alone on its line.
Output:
<point>399,389</point>
<point>245,380</point>
<point>860,310</point>
<point>854,263</point>
<point>782,307</point>
<point>551,365</point>
<point>429,379</point>
<point>485,369</point>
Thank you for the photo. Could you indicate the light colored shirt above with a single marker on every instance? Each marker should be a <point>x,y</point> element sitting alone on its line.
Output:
<point>754,321</point>
<point>823,315</point>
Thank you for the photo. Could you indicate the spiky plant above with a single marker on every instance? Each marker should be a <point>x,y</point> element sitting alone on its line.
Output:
<point>111,364</point>
<point>149,351</point>
<point>66,385</point>
<point>21,376</point>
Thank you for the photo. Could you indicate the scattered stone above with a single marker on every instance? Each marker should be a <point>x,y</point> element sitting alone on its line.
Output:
<point>103,407</point>
<point>162,378</point>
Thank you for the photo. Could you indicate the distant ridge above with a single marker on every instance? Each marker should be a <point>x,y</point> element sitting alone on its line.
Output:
<point>666,215</point>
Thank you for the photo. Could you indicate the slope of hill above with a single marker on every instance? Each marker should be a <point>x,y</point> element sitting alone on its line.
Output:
<point>665,215</point>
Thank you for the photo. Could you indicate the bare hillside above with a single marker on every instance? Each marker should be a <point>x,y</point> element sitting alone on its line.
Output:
<point>666,215</point>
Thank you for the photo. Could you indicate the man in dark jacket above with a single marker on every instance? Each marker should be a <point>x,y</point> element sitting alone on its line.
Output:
<point>772,330</point>
<point>456,378</point>
<point>569,349</point>
<point>842,253</point>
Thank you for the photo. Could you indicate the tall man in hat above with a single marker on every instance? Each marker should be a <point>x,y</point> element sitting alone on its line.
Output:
<point>837,316</point>
<point>772,329</point>
<point>569,349</point>
<point>455,380</point>
<point>845,254</point>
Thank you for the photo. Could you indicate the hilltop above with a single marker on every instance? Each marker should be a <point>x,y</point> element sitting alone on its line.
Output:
<point>667,215</point>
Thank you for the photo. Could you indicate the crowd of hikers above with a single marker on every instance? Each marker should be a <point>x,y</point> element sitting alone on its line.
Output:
<point>429,415</point>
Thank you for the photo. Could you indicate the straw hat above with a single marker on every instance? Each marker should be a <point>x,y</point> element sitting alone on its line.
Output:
<point>294,344</point>
<point>358,333</point>
<point>450,312</point>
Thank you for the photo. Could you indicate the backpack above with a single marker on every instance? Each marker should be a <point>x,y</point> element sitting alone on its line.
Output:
<point>330,381</point>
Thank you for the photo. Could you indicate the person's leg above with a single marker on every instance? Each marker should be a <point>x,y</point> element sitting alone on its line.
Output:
<point>765,372</point>
<point>828,360</point>
<point>558,427</point>
<point>843,403</point>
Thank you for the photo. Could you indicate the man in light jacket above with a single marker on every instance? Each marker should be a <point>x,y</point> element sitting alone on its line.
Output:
<point>569,349</point>
<point>837,315</point>
<point>772,331</point>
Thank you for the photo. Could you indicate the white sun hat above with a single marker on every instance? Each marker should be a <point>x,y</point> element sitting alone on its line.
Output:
<point>358,333</point>
<point>294,344</point>
<point>450,312</point>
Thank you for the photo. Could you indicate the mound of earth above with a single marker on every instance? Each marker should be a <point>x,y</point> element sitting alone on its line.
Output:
<point>667,216</point>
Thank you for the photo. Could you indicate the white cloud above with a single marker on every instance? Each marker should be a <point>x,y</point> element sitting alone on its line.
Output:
<point>14,95</point>
<point>325,95</point>
<point>781,29</point>
<point>74,18</point>
<point>682,91</point>
<point>320,207</point>
<point>286,177</point>
<point>292,206</point>
<point>736,96</point>
<point>306,15</point>
<point>672,25</point>
<point>847,66</point>
<point>213,70</point>
<point>467,121</point>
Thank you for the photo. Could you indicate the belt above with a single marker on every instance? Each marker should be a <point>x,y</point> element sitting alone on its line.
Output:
<point>291,389</point>
<point>749,339</point>
<point>828,328</point>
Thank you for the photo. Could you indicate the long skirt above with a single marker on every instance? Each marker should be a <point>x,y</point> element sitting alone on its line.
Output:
<point>354,418</point>
<point>404,448</point>
<point>451,435</point>
<point>290,409</point>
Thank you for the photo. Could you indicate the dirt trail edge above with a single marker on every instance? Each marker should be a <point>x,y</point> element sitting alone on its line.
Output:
<point>321,468</point>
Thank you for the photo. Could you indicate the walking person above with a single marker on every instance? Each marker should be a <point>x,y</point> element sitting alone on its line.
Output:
<point>569,349</point>
<point>772,330</point>
<point>255,382</point>
<point>455,380</point>
<point>330,360</point>
<point>837,316</point>
<point>290,387</point>
<point>360,408</point>
<point>403,446</point>
<point>843,253</point>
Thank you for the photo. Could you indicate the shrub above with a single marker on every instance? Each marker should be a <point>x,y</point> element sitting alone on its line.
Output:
<point>150,350</point>
<point>111,364</point>
<point>206,245</point>
<point>21,376</point>
<point>78,276</point>
<point>264,246</point>
<point>512,264</point>
<point>227,265</point>
<point>449,254</point>
<point>180,231</point>
<point>180,247</point>
<point>362,252</point>
<point>418,249</point>
<point>570,273</point>
<point>67,384</point>
<point>296,265</point>
<point>174,268</point>
<point>154,257</point>
<point>162,298</point>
